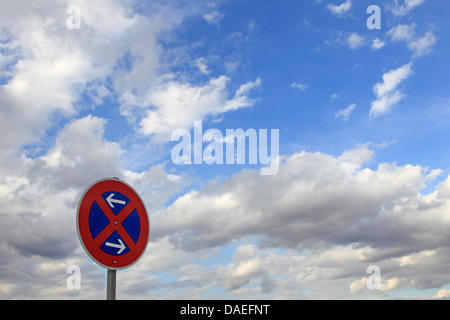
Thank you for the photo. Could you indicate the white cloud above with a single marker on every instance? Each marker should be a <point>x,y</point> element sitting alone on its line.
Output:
<point>213,17</point>
<point>48,67</point>
<point>387,95</point>
<point>73,151</point>
<point>340,10</point>
<point>244,90</point>
<point>385,103</point>
<point>201,65</point>
<point>355,41</point>
<point>178,105</point>
<point>392,79</point>
<point>236,275</point>
<point>402,32</point>
<point>345,113</point>
<point>47,79</point>
<point>335,207</point>
<point>330,215</point>
<point>44,192</point>
<point>442,294</point>
<point>300,86</point>
<point>341,216</point>
<point>407,6</point>
<point>420,46</point>
<point>239,209</point>
<point>54,65</point>
<point>377,44</point>
<point>116,45</point>
<point>358,285</point>
<point>232,66</point>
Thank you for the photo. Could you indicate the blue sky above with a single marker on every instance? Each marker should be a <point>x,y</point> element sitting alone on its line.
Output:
<point>363,117</point>
<point>301,43</point>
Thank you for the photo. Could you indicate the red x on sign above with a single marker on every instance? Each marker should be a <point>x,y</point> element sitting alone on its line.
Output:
<point>112,224</point>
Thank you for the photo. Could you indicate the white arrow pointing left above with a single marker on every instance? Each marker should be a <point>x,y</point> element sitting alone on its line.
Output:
<point>119,246</point>
<point>110,200</point>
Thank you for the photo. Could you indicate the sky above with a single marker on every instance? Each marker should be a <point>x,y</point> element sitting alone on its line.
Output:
<point>96,89</point>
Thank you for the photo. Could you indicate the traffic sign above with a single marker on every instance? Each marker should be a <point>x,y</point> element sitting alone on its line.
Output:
<point>112,224</point>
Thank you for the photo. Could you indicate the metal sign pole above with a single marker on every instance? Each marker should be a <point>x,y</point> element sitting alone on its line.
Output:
<point>111,285</point>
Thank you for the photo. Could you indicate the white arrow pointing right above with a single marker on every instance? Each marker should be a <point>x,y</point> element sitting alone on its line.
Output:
<point>120,246</point>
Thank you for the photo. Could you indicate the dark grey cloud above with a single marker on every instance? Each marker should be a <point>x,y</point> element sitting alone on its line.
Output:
<point>31,234</point>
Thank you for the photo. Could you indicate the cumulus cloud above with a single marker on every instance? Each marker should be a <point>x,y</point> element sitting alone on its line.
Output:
<point>340,10</point>
<point>332,216</point>
<point>442,294</point>
<point>402,32</point>
<point>420,46</point>
<point>244,205</point>
<point>407,6</point>
<point>377,44</point>
<point>309,231</point>
<point>49,152</point>
<point>387,93</point>
<point>38,209</point>
<point>355,41</point>
<point>39,200</point>
<point>178,105</point>
<point>50,66</point>
<point>392,79</point>
<point>116,50</point>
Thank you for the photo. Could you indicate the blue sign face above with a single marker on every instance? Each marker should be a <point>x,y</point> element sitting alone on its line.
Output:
<point>115,244</point>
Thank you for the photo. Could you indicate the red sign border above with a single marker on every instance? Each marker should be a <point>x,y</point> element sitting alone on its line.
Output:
<point>105,260</point>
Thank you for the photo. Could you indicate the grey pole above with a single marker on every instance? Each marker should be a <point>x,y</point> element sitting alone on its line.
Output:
<point>111,285</point>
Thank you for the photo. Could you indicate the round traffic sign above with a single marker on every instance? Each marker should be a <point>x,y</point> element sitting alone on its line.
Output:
<point>112,224</point>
